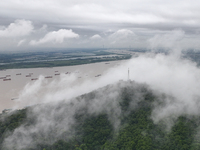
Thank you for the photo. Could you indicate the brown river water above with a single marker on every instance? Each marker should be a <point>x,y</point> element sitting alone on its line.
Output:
<point>16,79</point>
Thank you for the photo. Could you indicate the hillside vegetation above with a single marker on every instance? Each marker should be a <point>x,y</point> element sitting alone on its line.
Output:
<point>124,125</point>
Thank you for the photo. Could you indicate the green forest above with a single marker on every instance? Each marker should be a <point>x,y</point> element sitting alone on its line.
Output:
<point>95,131</point>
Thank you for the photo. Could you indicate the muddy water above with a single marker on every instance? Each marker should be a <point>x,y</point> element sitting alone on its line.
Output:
<point>10,89</point>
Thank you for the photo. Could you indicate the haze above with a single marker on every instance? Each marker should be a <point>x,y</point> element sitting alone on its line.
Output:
<point>41,25</point>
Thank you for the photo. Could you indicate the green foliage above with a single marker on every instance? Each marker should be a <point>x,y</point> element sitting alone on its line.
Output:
<point>136,132</point>
<point>10,123</point>
<point>180,136</point>
<point>96,131</point>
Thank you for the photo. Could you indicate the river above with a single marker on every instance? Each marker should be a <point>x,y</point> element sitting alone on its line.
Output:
<point>16,79</point>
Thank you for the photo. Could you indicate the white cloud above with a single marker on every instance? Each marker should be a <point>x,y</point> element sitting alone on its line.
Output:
<point>56,37</point>
<point>145,12</point>
<point>21,42</point>
<point>167,40</point>
<point>17,29</point>
<point>95,37</point>
<point>121,38</point>
<point>43,28</point>
<point>143,17</point>
<point>122,34</point>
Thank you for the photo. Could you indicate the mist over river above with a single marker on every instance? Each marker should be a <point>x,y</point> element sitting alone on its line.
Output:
<point>13,81</point>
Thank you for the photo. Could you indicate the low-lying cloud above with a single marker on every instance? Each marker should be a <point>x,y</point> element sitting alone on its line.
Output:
<point>122,34</point>
<point>21,42</point>
<point>168,40</point>
<point>95,37</point>
<point>177,78</point>
<point>56,37</point>
<point>166,74</point>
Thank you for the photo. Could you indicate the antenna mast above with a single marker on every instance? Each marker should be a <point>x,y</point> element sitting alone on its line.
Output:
<point>128,73</point>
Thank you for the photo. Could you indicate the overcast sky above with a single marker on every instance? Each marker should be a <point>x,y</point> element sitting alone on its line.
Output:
<point>48,24</point>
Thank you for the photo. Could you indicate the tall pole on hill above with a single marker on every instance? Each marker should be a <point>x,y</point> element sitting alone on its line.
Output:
<point>128,74</point>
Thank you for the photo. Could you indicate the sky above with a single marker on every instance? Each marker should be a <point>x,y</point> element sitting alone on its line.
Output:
<point>48,24</point>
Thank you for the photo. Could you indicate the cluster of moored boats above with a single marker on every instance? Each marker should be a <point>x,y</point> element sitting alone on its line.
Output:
<point>8,77</point>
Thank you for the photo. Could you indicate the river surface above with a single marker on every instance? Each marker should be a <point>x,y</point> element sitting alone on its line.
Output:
<point>16,79</point>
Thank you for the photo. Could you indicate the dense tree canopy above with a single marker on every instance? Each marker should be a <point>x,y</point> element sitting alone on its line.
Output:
<point>137,131</point>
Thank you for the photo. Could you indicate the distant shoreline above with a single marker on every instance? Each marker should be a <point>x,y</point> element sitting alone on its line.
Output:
<point>60,63</point>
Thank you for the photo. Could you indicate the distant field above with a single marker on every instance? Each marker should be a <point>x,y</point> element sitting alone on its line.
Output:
<point>58,58</point>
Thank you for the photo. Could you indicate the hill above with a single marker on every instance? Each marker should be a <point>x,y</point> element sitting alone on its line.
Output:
<point>116,117</point>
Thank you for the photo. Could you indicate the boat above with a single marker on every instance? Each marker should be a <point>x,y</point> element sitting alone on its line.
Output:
<point>28,75</point>
<point>2,77</point>
<point>98,75</point>
<point>18,74</point>
<point>6,79</point>
<point>57,74</point>
<point>48,77</point>
<point>7,75</point>
<point>34,79</point>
